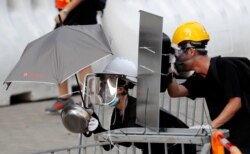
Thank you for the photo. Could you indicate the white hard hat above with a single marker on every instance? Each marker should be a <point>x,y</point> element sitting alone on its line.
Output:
<point>122,66</point>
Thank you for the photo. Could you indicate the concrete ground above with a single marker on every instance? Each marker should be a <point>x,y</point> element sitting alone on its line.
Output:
<point>27,128</point>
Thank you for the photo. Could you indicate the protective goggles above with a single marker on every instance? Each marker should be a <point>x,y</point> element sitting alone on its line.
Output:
<point>179,51</point>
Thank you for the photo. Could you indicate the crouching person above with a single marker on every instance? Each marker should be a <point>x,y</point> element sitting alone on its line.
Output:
<point>112,88</point>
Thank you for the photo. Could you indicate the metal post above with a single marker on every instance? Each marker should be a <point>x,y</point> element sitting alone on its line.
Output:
<point>206,148</point>
<point>194,109</point>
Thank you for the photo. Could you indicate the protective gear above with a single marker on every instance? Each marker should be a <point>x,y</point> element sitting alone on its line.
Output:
<point>179,51</point>
<point>114,101</point>
<point>96,99</point>
<point>122,66</point>
<point>101,88</point>
<point>190,31</point>
<point>93,124</point>
<point>177,69</point>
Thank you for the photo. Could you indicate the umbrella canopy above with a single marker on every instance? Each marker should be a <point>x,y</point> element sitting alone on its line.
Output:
<point>57,55</point>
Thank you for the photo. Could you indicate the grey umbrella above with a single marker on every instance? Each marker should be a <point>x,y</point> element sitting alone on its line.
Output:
<point>56,56</point>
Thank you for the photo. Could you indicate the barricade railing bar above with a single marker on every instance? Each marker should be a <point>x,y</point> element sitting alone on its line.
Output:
<point>191,112</point>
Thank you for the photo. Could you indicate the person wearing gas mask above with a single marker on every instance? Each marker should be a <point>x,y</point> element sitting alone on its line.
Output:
<point>223,99</point>
<point>112,88</point>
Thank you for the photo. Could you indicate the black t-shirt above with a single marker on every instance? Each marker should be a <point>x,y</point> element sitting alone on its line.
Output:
<point>217,96</point>
<point>83,14</point>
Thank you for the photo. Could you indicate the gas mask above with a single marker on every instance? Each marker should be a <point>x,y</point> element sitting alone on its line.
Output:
<point>101,89</point>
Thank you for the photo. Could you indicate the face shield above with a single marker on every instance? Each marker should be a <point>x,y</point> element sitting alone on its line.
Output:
<point>100,88</point>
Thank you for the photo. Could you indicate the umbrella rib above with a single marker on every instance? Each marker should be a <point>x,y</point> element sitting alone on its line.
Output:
<point>51,67</point>
<point>57,59</point>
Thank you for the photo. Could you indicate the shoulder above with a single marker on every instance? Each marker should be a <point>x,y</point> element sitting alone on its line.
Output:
<point>223,65</point>
<point>223,61</point>
<point>225,68</point>
<point>131,99</point>
<point>131,102</point>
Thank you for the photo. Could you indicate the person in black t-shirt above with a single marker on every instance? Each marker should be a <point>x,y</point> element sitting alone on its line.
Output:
<point>223,99</point>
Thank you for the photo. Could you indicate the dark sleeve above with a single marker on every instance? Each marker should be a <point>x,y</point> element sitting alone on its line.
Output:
<point>194,86</point>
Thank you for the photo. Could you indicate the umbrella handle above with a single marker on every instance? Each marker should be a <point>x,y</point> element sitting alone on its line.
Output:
<point>60,19</point>
<point>84,105</point>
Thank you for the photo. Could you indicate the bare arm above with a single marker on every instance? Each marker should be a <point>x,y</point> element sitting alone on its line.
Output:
<point>176,90</point>
<point>228,112</point>
<point>68,8</point>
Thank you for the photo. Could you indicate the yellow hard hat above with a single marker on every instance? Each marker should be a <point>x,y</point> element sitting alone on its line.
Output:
<point>190,31</point>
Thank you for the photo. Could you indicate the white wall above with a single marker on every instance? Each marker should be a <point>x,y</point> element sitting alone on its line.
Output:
<point>227,22</point>
<point>21,21</point>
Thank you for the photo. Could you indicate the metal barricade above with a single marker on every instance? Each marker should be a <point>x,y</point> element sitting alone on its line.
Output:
<point>189,111</point>
<point>180,136</point>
